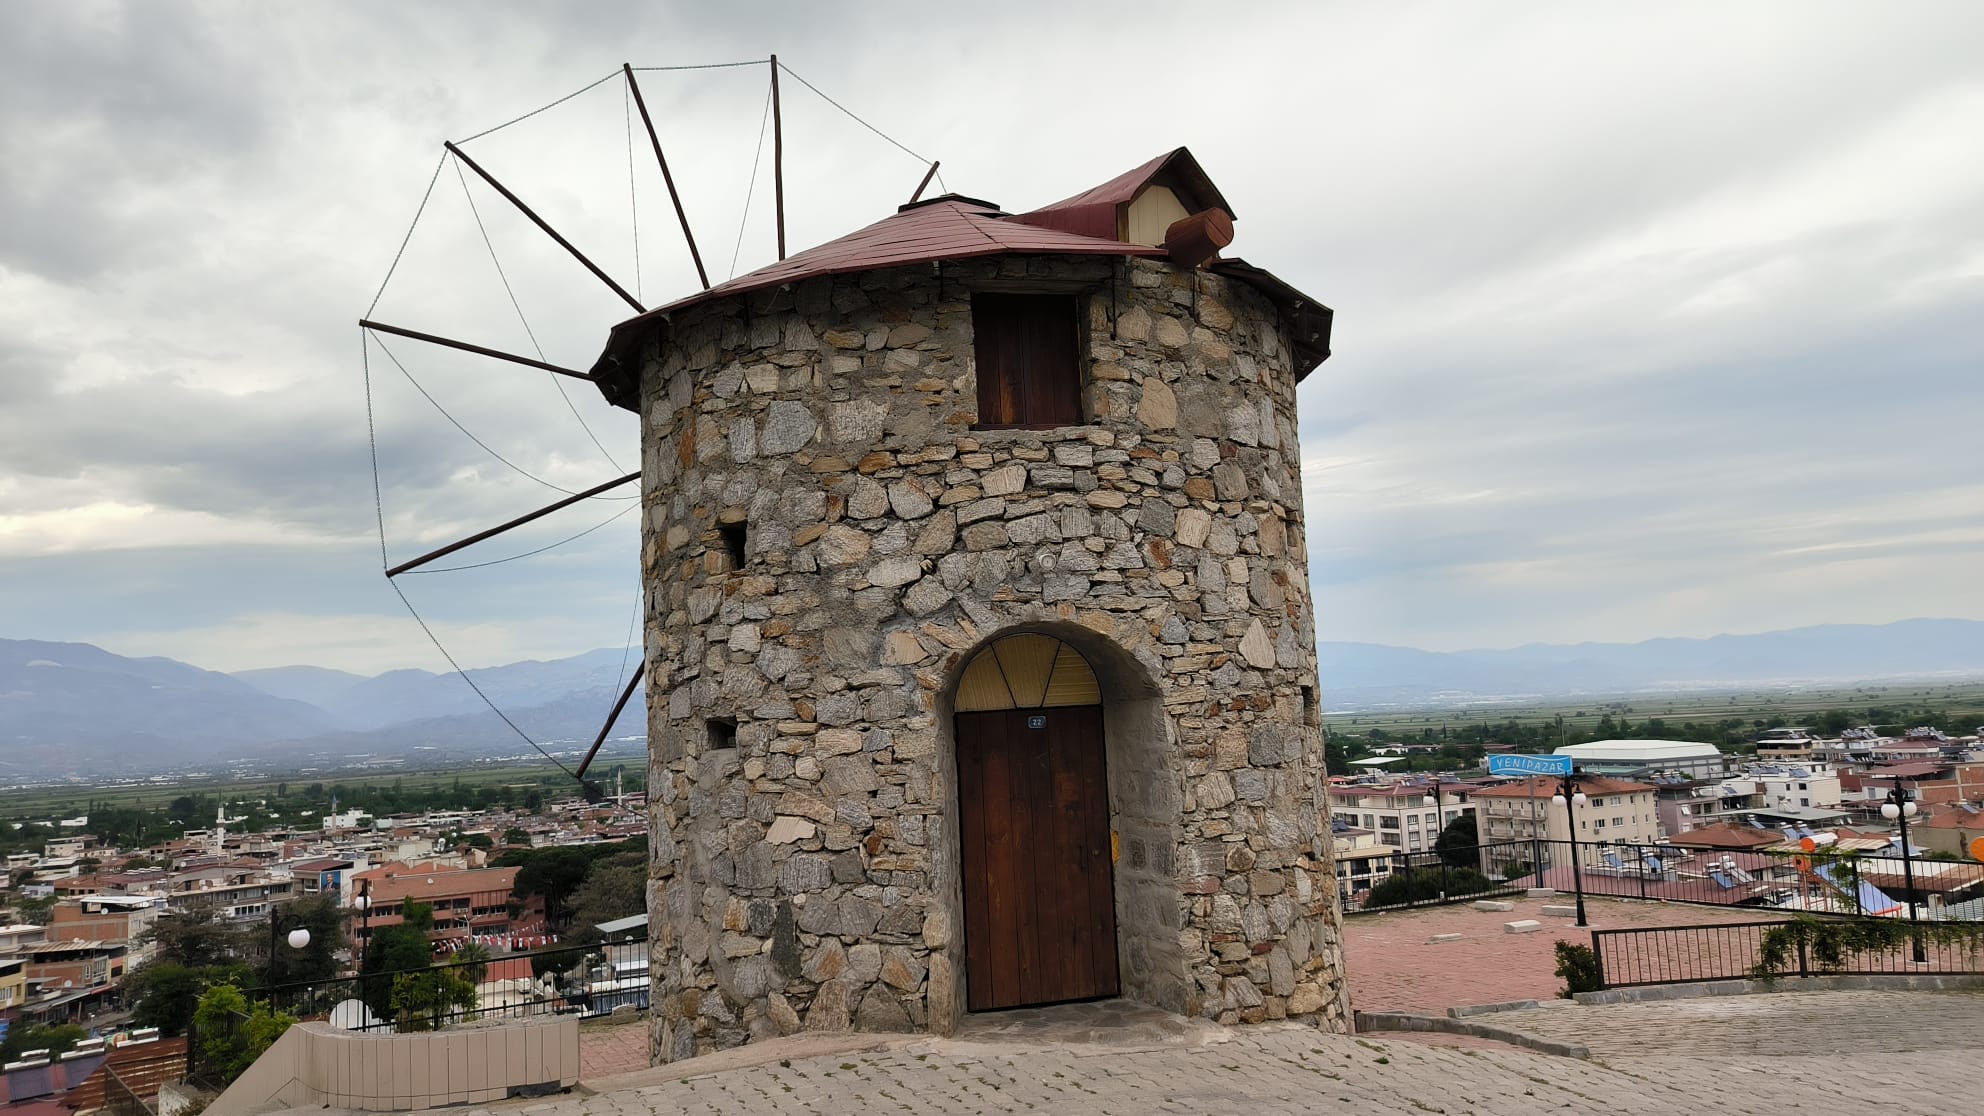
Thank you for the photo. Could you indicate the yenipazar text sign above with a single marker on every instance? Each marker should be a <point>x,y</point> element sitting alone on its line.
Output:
<point>1529,765</point>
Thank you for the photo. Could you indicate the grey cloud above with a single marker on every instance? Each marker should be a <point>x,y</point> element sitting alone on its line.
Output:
<point>201,198</point>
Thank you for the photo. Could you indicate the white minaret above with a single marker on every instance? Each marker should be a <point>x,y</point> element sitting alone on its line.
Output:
<point>220,828</point>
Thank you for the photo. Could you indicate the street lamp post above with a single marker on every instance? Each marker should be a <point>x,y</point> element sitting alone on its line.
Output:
<point>298,937</point>
<point>1437,800</point>
<point>1900,807</point>
<point>1570,797</point>
<point>363,902</point>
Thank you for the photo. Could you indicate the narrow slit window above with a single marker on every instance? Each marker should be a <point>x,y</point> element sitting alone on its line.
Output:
<point>734,538</point>
<point>722,732</point>
<point>1028,352</point>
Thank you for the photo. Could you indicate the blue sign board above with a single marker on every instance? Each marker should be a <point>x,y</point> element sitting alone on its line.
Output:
<point>1529,765</point>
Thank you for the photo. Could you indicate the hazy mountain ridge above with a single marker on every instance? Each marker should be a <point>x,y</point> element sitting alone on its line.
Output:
<point>74,707</point>
<point>1830,653</point>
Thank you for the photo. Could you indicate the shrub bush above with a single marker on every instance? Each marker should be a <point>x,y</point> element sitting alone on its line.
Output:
<point>1578,965</point>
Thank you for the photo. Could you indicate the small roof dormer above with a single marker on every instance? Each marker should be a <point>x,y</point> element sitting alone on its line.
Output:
<point>1138,206</point>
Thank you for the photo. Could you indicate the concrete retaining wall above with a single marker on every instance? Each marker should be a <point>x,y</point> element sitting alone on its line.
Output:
<point>317,1064</point>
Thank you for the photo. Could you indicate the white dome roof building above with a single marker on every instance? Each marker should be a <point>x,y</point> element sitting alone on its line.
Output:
<point>1636,758</point>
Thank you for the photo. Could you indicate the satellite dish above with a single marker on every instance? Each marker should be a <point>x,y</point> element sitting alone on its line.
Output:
<point>1977,849</point>
<point>353,1015</point>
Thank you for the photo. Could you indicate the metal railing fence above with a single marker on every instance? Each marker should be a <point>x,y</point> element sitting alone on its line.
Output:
<point>1816,881</point>
<point>584,979</point>
<point>1799,947</point>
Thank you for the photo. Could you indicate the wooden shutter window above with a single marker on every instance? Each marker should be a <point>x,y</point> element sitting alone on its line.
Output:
<point>1029,360</point>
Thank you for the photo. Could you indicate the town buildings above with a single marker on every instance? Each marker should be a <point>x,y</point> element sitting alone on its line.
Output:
<point>1617,811</point>
<point>69,968</point>
<point>1362,861</point>
<point>1403,814</point>
<point>468,902</point>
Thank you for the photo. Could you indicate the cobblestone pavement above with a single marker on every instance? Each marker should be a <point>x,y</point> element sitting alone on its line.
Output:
<point>1265,1070</point>
<point>1775,1024</point>
<point>1393,966</point>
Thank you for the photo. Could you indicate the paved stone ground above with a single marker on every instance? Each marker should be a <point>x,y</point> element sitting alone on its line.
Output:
<point>607,1049</point>
<point>1392,966</point>
<point>1775,1024</point>
<point>1767,1055</point>
<point>1265,1070</point>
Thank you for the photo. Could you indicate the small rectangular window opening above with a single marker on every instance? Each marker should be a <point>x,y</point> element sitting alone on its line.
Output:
<point>733,535</point>
<point>722,732</point>
<point>1027,349</point>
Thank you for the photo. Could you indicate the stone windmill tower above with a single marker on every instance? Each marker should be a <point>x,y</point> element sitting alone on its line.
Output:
<point>980,657</point>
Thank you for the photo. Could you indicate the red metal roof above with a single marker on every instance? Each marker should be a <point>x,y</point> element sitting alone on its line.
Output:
<point>946,228</point>
<point>953,227</point>
<point>1093,211</point>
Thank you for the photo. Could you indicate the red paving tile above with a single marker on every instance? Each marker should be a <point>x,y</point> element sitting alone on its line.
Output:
<point>1393,966</point>
<point>607,1049</point>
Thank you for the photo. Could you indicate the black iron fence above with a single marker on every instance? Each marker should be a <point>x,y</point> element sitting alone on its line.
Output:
<point>586,980</point>
<point>1389,880</point>
<point>1795,947</point>
<point>1819,881</point>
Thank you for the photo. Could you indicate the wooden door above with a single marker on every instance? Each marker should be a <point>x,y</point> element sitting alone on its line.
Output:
<point>1039,898</point>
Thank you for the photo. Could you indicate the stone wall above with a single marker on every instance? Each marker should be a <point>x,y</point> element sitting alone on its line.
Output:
<point>806,877</point>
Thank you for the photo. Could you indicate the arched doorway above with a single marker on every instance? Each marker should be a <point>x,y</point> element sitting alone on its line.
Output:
<point>1034,826</point>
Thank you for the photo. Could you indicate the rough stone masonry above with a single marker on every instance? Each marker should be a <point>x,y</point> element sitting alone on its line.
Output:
<point>803,795</point>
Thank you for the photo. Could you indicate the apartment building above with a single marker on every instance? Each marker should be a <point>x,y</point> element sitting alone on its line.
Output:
<point>1362,861</point>
<point>1616,812</point>
<point>70,980</point>
<point>107,918</point>
<point>240,891</point>
<point>466,901</point>
<point>13,985</point>
<point>1398,811</point>
<point>15,939</point>
<point>1796,793</point>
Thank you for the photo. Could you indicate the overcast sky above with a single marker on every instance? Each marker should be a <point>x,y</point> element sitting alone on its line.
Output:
<point>1663,320</point>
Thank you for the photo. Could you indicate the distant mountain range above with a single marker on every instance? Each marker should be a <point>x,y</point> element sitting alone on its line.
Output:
<point>1357,674</point>
<point>72,708</point>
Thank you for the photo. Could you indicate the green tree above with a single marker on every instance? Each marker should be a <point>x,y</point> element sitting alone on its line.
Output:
<point>474,958</point>
<point>195,937</point>
<point>35,911</point>
<point>1336,761</point>
<point>1458,844</point>
<point>55,1039</point>
<point>232,1035</point>
<point>164,994</point>
<point>1426,885</point>
<point>317,961</point>
<point>425,1001</point>
<point>553,872</point>
<point>612,889</point>
<point>397,948</point>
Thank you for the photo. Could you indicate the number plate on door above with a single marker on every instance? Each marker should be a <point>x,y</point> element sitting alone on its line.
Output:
<point>1037,721</point>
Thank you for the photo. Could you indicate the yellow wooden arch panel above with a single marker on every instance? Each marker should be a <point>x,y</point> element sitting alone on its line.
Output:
<point>1027,671</point>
